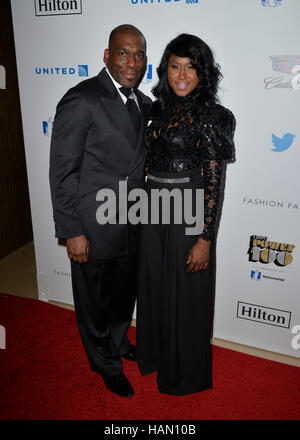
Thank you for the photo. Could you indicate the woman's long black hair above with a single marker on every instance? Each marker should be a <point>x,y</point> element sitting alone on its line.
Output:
<point>201,56</point>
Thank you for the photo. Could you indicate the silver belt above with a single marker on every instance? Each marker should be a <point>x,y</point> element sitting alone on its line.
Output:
<point>169,180</point>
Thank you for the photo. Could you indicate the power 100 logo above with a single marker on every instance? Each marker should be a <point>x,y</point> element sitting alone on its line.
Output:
<point>266,251</point>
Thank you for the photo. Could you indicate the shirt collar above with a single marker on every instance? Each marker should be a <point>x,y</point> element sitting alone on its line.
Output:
<point>116,84</point>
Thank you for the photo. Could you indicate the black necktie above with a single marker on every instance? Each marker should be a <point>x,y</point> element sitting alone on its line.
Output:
<point>132,108</point>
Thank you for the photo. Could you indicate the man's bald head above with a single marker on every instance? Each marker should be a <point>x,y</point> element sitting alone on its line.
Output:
<point>123,29</point>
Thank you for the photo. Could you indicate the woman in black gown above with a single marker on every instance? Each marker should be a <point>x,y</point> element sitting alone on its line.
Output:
<point>188,141</point>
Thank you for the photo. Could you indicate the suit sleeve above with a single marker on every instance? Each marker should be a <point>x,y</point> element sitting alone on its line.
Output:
<point>70,130</point>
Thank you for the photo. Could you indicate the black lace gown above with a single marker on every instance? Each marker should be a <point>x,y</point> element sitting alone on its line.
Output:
<point>174,306</point>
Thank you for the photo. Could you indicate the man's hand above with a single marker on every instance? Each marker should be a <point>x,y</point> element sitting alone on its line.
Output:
<point>199,256</point>
<point>78,248</point>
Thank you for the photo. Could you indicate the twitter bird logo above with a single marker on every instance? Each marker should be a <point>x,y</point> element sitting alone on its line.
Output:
<point>282,144</point>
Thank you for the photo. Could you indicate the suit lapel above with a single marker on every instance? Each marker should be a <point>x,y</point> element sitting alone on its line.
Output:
<point>140,147</point>
<point>115,107</point>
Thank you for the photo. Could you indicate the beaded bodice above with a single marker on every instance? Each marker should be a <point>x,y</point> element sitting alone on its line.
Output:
<point>187,135</point>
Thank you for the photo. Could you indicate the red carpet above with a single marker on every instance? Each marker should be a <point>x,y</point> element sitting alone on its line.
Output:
<point>45,375</point>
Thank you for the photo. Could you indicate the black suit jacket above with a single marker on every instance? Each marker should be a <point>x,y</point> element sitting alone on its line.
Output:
<point>94,146</point>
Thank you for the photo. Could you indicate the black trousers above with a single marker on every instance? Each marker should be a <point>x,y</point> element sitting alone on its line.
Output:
<point>104,295</point>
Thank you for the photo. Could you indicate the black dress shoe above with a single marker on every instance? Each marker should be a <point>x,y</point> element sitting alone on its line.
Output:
<point>130,355</point>
<point>119,384</point>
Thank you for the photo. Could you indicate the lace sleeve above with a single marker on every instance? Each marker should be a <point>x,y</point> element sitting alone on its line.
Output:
<point>216,147</point>
<point>212,173</point>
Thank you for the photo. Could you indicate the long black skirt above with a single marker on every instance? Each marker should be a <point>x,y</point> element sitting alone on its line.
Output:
<point>174,307</point>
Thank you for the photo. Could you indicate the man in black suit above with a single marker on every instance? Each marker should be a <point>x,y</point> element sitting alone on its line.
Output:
<point>97,142</point>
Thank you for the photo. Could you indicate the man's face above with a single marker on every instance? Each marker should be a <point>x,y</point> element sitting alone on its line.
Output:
<point>126,58</point>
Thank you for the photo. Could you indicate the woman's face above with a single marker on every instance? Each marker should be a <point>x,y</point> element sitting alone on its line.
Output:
<point>182,76</point>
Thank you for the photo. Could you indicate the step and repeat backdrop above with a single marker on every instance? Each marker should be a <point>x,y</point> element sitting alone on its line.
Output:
<point>257,42</point>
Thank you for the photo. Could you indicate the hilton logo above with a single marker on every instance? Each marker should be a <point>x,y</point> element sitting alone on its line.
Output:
<point>264,315</point>
<point>57,7</point>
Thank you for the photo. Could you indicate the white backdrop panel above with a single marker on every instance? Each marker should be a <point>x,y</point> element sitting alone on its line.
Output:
<point>262,189</point>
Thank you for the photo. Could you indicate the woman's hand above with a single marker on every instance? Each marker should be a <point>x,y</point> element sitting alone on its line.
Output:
<point>199,256</point>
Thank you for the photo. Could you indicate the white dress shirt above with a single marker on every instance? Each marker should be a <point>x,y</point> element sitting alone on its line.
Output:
<point>117,86</point>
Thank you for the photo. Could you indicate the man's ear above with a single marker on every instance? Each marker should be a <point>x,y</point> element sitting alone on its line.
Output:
<point>106,56</point>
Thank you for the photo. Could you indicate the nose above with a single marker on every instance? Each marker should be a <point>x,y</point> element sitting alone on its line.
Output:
<point>131,60</point>
<point>182,73</point>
